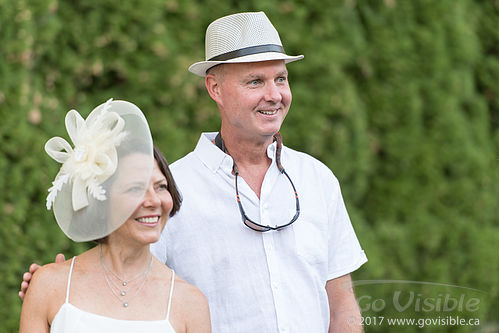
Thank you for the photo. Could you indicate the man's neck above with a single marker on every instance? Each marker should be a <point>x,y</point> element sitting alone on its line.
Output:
<point>247,152</point>
<point>250,157</point>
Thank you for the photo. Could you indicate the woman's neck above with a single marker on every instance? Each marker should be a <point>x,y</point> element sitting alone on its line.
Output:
<point>124,261</point>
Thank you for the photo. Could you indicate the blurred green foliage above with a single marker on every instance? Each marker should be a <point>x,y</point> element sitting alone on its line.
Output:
<point>399,98</point>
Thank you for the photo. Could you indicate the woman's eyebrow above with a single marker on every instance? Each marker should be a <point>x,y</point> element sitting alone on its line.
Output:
<point>160,181</point>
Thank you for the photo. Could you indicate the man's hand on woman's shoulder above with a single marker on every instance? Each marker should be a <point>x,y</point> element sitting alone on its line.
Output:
<point>32,269</point>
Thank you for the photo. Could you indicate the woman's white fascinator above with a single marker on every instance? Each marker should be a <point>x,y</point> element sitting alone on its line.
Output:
<point>103,178</point>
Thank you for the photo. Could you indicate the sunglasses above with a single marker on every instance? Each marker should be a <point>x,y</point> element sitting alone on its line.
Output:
<point>263,228</point>
<point>246,220</point>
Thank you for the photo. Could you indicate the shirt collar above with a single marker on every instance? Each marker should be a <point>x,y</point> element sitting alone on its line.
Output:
<point>271,149</point>
<point>209,154</point>
<point>214,158</point>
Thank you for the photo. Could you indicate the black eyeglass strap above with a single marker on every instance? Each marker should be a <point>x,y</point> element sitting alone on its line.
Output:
<point>219,142</point>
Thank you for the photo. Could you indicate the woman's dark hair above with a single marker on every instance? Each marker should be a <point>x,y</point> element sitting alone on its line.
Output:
<point>172,186</point>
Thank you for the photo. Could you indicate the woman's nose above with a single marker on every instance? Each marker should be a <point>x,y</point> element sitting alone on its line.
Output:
<point>151,198</point>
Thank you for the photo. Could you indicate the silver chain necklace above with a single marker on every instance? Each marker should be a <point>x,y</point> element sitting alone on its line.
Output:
<point>124,283</point>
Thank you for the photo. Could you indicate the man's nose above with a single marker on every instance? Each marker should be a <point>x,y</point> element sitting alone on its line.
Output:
<point>273,93</point>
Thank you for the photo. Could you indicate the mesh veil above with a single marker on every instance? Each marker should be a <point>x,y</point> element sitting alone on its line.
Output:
<point>102,204</point>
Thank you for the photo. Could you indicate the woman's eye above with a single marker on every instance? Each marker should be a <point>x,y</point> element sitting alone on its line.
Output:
<point>163,187</point>
<point>135,189</point>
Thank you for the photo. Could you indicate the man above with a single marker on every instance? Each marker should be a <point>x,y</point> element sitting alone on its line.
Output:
<point>263,231</point>
<point>292,279</point>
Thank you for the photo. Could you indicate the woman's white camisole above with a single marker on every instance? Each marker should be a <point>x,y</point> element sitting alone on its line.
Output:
<point>70,319</point>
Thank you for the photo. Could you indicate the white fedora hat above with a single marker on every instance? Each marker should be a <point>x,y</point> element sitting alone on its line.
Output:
<point>238,38</point>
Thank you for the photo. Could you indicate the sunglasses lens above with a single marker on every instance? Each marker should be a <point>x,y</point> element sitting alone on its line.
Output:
<point>255,226</point>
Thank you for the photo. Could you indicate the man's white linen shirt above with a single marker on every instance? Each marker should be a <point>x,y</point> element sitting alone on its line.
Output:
<point>259,282</point>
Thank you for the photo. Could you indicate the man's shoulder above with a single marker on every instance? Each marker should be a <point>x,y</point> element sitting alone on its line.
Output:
<point>184,166</point>
<point>305,160</point>
<point>192,160</point>
<point>183,161</point>
<point>300,154</point>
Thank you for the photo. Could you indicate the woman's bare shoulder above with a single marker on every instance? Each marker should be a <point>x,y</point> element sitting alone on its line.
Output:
<point>51,274</point>
<point>46,293</point>
<point>188,291</point>
<point>191,305</point>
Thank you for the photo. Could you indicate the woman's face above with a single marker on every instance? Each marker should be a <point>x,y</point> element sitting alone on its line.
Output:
<point>149,218</point>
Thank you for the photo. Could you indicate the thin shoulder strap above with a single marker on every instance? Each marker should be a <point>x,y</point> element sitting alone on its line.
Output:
<point>69,278</point>
<point>171,294</point>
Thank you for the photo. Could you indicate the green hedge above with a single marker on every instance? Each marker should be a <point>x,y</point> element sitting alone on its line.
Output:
<point>399,98</point>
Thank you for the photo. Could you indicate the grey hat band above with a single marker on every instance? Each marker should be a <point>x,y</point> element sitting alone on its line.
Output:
<point>247,51</point>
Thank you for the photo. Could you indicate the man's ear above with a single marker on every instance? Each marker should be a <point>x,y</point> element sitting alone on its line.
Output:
<point>213,87</point>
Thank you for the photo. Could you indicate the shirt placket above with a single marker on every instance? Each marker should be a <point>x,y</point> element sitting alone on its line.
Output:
<point>273,264</point>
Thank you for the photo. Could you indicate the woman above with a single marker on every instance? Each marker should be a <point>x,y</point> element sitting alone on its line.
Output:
<point>111,189</point>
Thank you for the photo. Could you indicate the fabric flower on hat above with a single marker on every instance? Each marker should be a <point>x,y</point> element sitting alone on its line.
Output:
<point>93,159</point>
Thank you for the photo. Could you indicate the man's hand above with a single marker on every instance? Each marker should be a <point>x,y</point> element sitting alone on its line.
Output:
<point>32,269</point>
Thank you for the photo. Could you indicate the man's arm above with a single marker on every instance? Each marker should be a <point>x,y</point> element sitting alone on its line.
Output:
<point>28,275</point>
<point>343,308</point>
